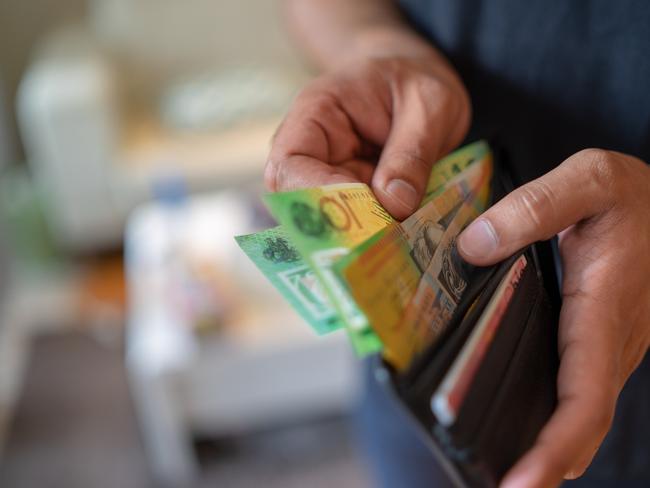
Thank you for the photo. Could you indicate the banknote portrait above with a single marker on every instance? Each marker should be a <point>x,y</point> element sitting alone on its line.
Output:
<point>425,244</point>
<point>452,274</point>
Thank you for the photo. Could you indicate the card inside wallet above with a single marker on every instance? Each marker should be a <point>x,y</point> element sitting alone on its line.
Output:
<point>512,390</point>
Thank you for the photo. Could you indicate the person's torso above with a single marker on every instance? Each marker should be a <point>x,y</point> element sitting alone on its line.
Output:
<point>549,77</point>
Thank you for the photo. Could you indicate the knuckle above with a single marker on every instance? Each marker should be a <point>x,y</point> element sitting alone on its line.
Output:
<point>317,95</point>
<point>409,161</point>
<point>432,88</point>
<point>591,153</point>
<point>320,104</point>
<point>602,168</point>
<point>434,93</point>
<point>442,96</point>
<point>536,201</point>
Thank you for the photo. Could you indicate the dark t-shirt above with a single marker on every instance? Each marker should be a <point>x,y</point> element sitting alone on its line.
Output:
<point>548,78</point>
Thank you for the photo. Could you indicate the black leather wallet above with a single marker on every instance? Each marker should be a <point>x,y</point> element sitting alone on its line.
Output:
<point>513,391</point>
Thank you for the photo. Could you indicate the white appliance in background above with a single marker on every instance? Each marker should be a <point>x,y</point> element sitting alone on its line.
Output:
<point>95,164</point>
<point>103,107</point>
<point>67,113</point>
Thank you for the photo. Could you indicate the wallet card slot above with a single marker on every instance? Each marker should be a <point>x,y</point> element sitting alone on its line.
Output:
<point>459,442</point>
<point>485,384</point>
<point>525,398</point>
<point>431,367</point>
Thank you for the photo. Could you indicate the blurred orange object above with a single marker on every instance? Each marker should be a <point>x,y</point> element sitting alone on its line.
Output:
<point>102,291</point>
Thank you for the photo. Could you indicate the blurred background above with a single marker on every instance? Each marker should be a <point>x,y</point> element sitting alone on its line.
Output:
<point>138,345</point>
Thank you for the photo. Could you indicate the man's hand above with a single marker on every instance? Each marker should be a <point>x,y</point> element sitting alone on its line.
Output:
<point>387,108</point>
<point>383,122</point>
<point>599,202</point>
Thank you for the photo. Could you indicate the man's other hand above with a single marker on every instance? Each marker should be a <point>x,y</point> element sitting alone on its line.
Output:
<point>599,203</point>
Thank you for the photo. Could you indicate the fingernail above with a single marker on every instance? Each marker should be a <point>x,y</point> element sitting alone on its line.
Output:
<point>403,192</point>
<point>479,239</point>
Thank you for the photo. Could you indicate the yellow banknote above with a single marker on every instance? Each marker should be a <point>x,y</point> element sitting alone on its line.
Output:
<point>384,273</point>
<point>325,223</point>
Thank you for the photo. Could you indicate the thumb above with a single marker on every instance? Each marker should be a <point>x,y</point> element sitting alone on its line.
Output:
<point>576,190</point>
<point>415,142</point>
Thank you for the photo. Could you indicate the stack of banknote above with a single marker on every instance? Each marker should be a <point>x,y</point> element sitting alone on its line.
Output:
<point>342,261</point>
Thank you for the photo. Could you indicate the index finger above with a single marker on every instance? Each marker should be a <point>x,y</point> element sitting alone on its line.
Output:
<point>300,151</point>
<point>331,123</point>
<point>301,171</point>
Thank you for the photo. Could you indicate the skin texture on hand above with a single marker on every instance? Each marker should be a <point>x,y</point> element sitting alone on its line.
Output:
<point>383,122</point>
<point>599,203</point>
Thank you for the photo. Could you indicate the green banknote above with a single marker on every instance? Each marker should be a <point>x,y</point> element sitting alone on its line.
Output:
<point>273,253</point>
<point>324,229</point>
<point>452,167</point>
<point>464,173</point>
<point>325,223</point>
<point>385,272</point>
